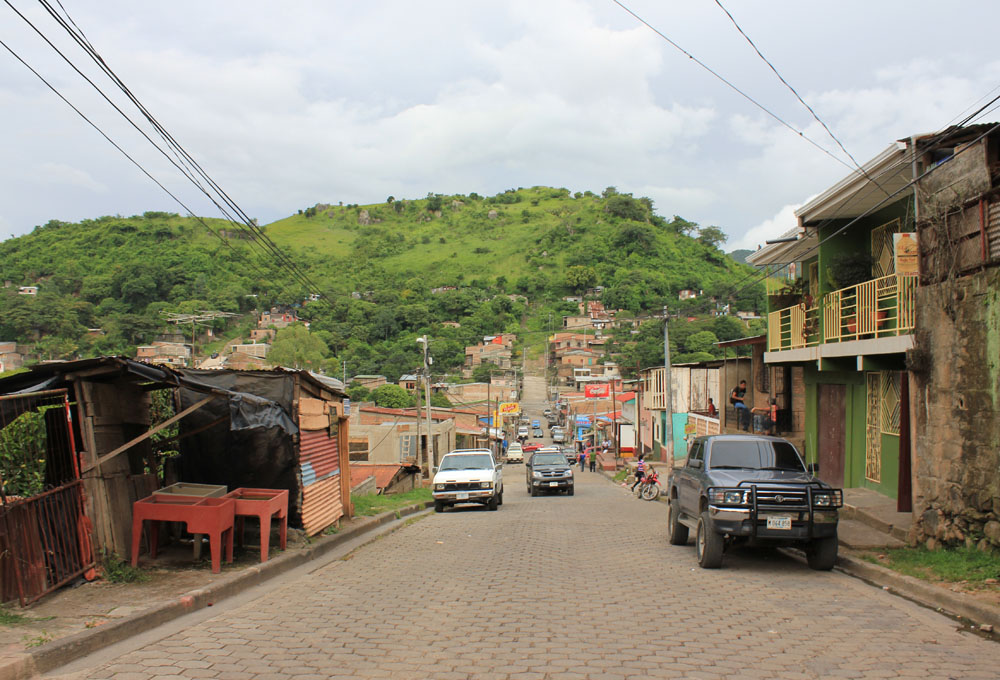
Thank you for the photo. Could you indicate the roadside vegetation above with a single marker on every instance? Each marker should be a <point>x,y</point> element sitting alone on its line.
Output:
<point>367,505</point>
<point>966,566</point>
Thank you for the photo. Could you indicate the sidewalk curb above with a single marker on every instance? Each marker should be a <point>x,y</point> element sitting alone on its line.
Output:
<point>926,594</point>
<point>52,655</point>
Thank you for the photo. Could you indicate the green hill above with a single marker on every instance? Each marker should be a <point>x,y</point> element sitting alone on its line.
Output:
<point>377,267</point>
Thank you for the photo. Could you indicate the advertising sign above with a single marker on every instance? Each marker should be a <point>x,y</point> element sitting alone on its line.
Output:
<point>907,253</point>
<point>595,391</point>
<point>509,408</point>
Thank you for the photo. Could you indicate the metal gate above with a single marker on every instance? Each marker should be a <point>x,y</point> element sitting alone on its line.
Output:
<point>44,534</point>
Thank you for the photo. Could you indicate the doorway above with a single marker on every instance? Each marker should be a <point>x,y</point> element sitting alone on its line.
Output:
<point>831,450</point>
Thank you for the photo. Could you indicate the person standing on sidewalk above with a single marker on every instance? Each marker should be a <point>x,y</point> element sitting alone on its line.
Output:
<point>593,460</point>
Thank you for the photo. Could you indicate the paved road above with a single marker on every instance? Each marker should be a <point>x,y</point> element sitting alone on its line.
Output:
<point>560,587</point>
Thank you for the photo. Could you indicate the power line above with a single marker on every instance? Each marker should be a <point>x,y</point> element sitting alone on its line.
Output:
<point>116,146</point>
<point>256,235</point>
<point>797,96</point>
<point>732,86</point>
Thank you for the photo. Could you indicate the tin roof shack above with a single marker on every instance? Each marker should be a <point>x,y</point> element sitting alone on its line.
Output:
<point>303,452</point>
<point>227,435</point>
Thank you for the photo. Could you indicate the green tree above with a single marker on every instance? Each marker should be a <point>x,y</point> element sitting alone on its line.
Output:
<point>712,236</point>
<point>358,393</point>
<point>391,396</point>
<point>295,347</point>
<point>702,341</point>
<point>579,278</point>
<point>481,373</point>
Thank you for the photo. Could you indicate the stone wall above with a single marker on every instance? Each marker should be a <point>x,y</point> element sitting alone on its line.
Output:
<point>955,409</point>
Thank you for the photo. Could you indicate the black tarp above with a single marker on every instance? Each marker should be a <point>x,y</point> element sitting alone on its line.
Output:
<point>260,453</point>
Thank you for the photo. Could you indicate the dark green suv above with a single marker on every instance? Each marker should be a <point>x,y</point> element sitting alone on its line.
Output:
<point>752,489</point>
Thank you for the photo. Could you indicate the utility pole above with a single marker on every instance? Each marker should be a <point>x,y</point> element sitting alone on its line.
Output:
<point>425,465</point>
<point>668,402</point>
<point>489,416</point>
<point>638,410</point>
<point>428,449</point>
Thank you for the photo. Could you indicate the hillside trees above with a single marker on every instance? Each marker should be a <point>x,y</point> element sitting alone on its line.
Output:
<point>295,347</point>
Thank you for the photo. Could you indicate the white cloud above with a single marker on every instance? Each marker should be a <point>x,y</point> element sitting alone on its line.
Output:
<point>66,175</point>
<point>768,229</point>
<point>357,101</point>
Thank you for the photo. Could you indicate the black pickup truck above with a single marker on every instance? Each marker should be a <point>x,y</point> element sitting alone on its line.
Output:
<point>752,489</point>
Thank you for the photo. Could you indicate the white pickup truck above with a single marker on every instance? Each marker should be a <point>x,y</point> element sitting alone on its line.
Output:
<point>468,476</point>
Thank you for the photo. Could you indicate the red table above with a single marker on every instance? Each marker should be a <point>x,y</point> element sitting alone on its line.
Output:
<point>263,504</point>
<point>211,516</point>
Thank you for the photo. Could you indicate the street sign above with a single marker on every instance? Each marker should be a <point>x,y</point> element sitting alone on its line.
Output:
<point>509,408</point>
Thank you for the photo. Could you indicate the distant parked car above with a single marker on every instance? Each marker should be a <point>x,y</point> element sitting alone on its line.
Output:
<point>532,447</point>
<point>515,453</point>
<point>537,433</point>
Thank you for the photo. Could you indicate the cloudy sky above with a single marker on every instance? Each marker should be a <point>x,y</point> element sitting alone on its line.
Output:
<point>291,104</point>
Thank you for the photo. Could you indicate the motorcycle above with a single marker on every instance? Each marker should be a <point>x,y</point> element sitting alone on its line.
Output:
<point>649,489</point>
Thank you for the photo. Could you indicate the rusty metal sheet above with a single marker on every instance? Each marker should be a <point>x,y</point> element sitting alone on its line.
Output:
<point>321,505</point>
<point>993,231</point>
<point>319,456</point>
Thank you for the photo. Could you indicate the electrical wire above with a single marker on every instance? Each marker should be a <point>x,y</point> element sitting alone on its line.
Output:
<point>115,145</point>
<point>186,165</point>
<point>797,96</point>
<point>733,87</point>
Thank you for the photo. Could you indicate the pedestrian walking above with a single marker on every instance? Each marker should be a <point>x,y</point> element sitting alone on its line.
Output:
<point>583,460</point>
<point>640,471</point>
<point>593,460</point>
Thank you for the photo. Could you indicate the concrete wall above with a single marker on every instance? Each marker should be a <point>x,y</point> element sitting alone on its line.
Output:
<point>955,409</point>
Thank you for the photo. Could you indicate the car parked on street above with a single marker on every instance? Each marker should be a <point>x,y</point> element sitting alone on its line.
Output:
<point>548,470</point>
<point>515,453</point>
<point>468,476</point>
<point>522,431</point>
<point>752,489</point>
<point>532,447</point>
<point>537,433</point>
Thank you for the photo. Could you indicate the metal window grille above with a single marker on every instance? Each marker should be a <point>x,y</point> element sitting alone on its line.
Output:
<point>883,257</point>
<point>889,403</point>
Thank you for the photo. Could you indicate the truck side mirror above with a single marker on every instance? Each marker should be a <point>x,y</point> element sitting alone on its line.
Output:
<point>434,470</point>
<point>697,463</point>
<point>813,468</point>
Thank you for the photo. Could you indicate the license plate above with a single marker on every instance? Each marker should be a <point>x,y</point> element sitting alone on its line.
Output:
<point>553,483</point>
<point>779,522</point>
<point>465,497</point>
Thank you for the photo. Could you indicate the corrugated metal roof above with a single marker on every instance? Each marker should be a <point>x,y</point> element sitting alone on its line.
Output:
<point>321,505</point>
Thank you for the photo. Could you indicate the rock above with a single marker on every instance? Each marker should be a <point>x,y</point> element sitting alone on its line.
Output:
<point>930,519</point>
<point>992,531</point>
<point>492,214</point>
<point>456,204</point>
<point>986,628</point>
<point>931,544</point>
<point>984,546</point>
<point>364,218</point>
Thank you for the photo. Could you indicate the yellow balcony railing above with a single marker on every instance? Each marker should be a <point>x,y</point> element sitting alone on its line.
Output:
<point>792,328</point>
<point>873,309</point>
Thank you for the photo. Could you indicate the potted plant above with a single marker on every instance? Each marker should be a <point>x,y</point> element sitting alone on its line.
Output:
<point>849,269</point>
<point>791,294</point>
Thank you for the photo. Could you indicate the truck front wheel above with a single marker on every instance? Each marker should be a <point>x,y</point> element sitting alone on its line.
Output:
<point>821,554</point>
<point>709,544</point>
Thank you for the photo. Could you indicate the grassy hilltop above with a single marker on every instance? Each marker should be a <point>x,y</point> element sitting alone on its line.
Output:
<point>119,273</point>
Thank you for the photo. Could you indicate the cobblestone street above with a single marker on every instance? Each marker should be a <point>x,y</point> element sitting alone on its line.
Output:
<point>561,587</point>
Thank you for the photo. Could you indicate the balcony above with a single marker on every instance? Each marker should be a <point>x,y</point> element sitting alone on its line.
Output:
<point>879,308</point>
